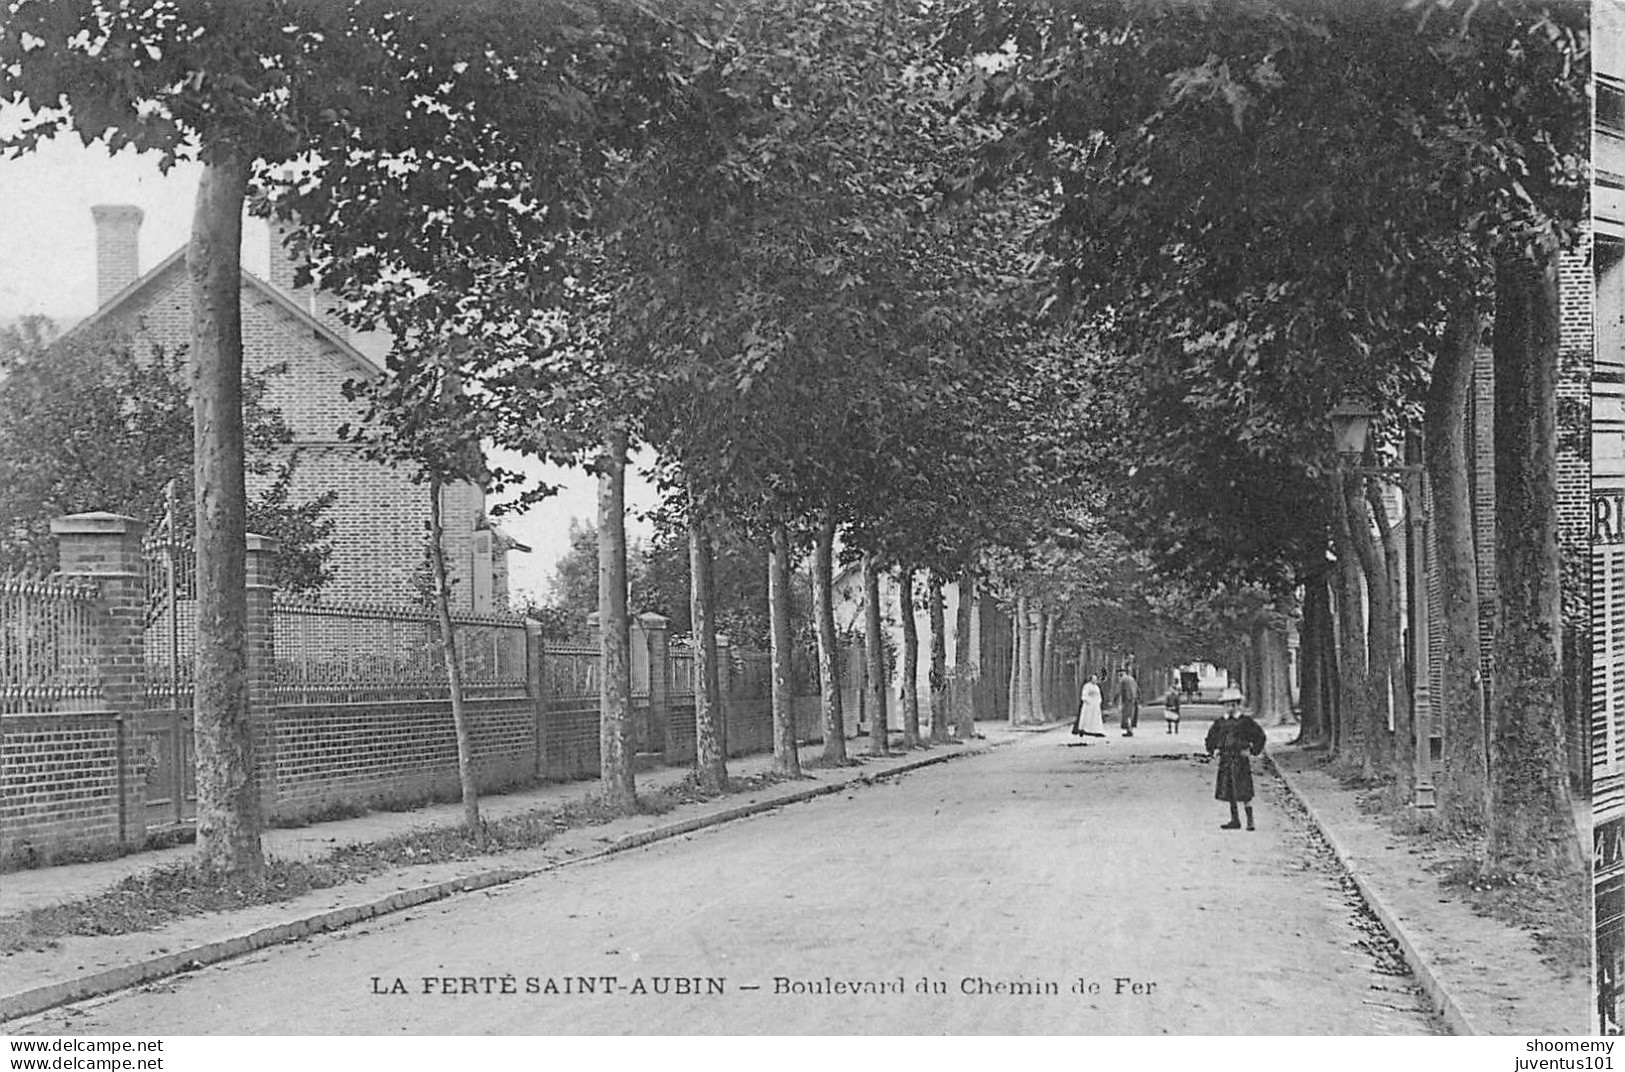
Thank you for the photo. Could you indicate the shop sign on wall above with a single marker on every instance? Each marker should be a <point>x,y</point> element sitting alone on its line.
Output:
<point>1608,519</point>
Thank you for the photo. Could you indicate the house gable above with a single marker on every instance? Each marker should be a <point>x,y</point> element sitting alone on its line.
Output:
<point>315,361</point>
<point>380,515</point>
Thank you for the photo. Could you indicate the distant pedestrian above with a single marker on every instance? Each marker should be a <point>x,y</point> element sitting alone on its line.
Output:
<point>1088,723</point>
<point>1127,698</point>
<point>1170,707</point>
<point>1233,737</point>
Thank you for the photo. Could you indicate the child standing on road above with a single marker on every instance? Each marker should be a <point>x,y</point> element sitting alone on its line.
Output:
<point>1233,737</point>
<point>1170,708</point>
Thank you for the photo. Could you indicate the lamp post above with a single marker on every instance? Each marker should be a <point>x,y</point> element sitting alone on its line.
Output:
<point>1351,423</point>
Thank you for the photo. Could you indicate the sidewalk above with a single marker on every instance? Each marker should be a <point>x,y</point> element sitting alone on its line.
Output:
<point>86,966</point>
<point>1484,976</point>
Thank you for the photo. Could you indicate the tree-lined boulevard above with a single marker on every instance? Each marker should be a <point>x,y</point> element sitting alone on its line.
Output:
<point>1033,864</point>
<point>1056,302</point>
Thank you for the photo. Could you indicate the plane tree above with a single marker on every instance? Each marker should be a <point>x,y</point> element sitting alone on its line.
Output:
<point>243,90</point>
<point>478,221</point>
<point>428,154</point>
<point>1267,209</point>
<point>767,286</point>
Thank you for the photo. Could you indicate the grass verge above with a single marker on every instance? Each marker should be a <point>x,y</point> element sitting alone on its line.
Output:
<point>1553,910</point>
<point>160,895</point>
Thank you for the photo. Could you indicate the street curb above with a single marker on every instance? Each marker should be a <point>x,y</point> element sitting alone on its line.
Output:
<point>1443,1001</point>
<point>97,984</point>
<point>700,822</point>
<point>28,1002</point>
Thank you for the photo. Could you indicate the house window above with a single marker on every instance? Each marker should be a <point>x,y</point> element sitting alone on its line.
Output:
<point>1610,107</point>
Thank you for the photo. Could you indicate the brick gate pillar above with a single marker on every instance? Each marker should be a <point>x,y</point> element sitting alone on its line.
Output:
<point>724,670</point>
<point>538,696</point>
<point>259,643</point>
<point>106,550</point>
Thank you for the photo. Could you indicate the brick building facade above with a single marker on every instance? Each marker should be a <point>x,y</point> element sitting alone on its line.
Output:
<point>294,338</point>
<point>1607,535</point>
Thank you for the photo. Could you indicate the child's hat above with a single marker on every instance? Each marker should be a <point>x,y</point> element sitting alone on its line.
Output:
<point>1231,694</point>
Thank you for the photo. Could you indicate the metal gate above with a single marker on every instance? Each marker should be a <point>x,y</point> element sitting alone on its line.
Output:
<point>164,730</point>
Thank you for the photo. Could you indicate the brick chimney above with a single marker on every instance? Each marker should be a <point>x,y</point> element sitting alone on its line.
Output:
<point>118,248</point>
<point>323,306</point>
<point>283,266</point>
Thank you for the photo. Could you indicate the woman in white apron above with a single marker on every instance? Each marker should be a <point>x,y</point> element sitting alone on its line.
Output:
<point>1089,723</point>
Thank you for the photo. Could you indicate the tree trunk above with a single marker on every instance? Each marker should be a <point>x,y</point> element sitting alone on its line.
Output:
<point>710,764</point>
<point>879,724</point>
<point>1249,673</point>
<point>1041,667</point>
<point>1462,781</point>
<point>1577,669</point>
<point>614,638</point>
<point>786,758</point>
<point>967,661</point>
<point>1031,711</point>
<point>1274,681</point>
<point>1052,668</point>
<point>1352,698</point>
<point>1405,743</point>
<point>1036,668</point>
<point>938,674</point>
<point>1017,661</point>
<point>911,658</point>
<point>1313,730</point>
<point>454,667</point>
<point>1331,688</point>
<point>858,653</point>
<point>1378,742</point>
<point>1530,806</point>
<point>829,678</point>
<point>228,804</point>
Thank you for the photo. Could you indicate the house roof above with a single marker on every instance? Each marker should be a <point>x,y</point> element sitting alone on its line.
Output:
<point>262,290</point>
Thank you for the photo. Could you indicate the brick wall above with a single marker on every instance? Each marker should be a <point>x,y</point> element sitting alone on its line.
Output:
<point>748,723</point>
<point>1577,294</point>
<point>376,754</point>
<point>59,785</point>
<point>72,780</point>
<point>570,737</point>
<point>79,779</point>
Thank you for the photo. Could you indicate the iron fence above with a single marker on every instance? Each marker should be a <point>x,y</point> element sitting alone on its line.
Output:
<point>47,645</point>
<point>351,653</point>
<point>171,618</point>
<point>571,671</point>
<point>681,658</point>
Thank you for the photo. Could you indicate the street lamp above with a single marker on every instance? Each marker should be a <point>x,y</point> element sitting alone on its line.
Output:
<point>1351,423</point>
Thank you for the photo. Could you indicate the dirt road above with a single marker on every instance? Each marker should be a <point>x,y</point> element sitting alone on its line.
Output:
<point>1040,888</point>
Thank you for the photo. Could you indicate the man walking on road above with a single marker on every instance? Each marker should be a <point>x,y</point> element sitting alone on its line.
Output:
<point>1127,697</point>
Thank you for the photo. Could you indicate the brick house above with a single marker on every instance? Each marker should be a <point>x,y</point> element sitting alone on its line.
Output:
<point>1607,528</point>
<point>381,516</point>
